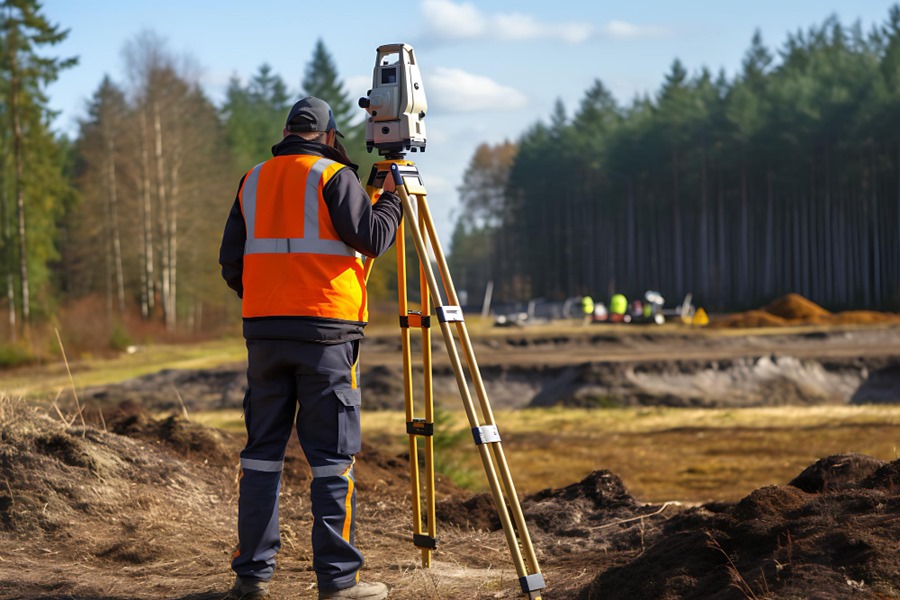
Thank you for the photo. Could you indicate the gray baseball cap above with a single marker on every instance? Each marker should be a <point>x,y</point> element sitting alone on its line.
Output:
<point>311,114</point>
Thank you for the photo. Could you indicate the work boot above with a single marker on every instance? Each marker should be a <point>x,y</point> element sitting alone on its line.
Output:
<point>360,591</point>
<point>251,589</point>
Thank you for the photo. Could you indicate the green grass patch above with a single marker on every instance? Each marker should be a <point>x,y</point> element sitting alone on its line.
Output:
<point>43,380</point>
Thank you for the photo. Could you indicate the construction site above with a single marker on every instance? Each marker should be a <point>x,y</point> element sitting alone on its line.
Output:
<point>736,461</point>
<point>642,349</point>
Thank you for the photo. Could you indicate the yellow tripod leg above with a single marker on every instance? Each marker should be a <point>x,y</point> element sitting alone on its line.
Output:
<point>429,404</point>
<point>414,425</point>
<point>496,447</point>
<point>486,435</point>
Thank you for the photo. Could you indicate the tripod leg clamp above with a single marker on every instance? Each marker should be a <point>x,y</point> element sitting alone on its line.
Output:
<point>449,314</point>
<point>485,434</point>
<point>424,541</point>
<point>415,319</point>
<point>419,427</point>
<point>532,583</point>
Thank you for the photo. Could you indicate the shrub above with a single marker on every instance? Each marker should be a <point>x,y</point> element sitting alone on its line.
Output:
<point>14,355</point>
<point>120,339</point>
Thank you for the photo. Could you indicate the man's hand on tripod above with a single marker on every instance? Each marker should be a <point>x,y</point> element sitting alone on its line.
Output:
<point>389,185</point>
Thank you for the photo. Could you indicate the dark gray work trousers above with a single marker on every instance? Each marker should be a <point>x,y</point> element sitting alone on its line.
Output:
<point>322,381</point>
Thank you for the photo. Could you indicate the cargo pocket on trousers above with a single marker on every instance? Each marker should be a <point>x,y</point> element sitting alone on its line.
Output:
<point>349,433</point>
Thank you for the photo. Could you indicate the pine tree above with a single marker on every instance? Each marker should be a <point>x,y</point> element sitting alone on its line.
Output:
<point>98,228</point>
<point>38,190</point>
<point>322,81</point>
<point>254,116</point>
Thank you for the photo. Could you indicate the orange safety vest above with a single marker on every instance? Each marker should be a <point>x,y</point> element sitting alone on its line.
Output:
<point>295,264</point>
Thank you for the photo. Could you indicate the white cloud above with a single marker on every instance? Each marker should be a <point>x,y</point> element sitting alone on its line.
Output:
<point>454,90</point>
<point>451,21</point>
<point>623,30</point>
<point>462,21</point>
<point>357,85</point>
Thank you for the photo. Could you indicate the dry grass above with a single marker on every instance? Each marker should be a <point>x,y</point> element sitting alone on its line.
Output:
<point>693,455</point>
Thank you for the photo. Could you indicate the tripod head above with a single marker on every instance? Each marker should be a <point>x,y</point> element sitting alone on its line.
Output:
<point>396,103</point>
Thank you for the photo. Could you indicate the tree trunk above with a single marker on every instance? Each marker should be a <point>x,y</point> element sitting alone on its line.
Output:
<point>171,322</point>
<point>9,268</point>
<point>19,184</point>
<point>164,221</point>
<point>115,233</point>
<point>630,255</point>
<point>148,292</point>
<point>677,246</point>
<point>723,275</point>
<point>744,271</point>
<point>703,267</point>
<point>768,271</point>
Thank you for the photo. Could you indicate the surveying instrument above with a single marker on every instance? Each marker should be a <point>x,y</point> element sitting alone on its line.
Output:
<point>396,106</point>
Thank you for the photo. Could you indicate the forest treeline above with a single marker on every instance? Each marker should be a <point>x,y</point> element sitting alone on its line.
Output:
<point>121,225</point>
<point>784,177</point>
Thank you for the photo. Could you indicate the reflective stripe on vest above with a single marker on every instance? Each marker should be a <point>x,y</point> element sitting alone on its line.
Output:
<point>295,263</point>
<point>310,243</point>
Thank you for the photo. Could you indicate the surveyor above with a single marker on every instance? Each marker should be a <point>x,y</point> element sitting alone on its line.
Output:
<point>289,250</point>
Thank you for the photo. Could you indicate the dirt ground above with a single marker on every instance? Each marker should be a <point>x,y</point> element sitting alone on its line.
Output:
<point>146,508</point>
<point>595,366</point>
<point>138,506</point>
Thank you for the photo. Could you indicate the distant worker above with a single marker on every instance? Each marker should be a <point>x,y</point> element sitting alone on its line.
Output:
<point>587,310</point>
<point>290,252</point>
<point>618,307</point>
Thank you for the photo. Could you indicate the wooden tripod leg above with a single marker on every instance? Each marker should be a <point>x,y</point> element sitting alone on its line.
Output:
<point>531,583</point>
<point>428,442</point>
<point>463,334</point>
<point>403,307</point>
<point>415,427</point>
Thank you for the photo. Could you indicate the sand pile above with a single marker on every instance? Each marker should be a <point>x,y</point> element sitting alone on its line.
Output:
<point>794,310</point>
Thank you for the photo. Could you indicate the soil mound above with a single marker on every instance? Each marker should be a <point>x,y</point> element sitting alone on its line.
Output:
<point>174,432</point>
<point>794,309</point>
<point>97,496</point>
<point>840,540</point>
<point>838,472</point>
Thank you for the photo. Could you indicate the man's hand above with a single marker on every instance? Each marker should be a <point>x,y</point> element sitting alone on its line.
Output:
<point>389,185</point>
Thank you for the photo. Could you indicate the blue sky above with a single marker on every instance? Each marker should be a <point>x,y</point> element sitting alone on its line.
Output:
<point>491,68</point>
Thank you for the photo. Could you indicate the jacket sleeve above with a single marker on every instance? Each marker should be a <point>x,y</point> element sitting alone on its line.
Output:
<point>231,253</point>
<point>367,228</point>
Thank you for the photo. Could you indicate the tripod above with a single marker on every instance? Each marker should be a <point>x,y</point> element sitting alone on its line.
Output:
<point>417,218</point>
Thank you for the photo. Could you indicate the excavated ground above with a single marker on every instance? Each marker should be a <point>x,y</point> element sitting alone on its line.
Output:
<point>598,366</point>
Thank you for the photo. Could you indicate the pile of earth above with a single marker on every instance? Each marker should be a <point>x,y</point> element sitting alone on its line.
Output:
<point>794,309</point>
<point>832,532</point>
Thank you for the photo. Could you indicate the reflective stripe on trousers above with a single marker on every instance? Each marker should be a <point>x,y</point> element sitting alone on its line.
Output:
<point>280,374</point>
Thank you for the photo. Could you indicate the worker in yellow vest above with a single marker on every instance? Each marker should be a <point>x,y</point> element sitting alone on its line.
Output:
<point>618,307</point>
<point>292,251</point>
<point>587,310</point>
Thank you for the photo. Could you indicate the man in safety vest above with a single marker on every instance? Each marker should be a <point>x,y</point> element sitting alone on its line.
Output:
<point>587,310</point>
<point>291,250</point>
